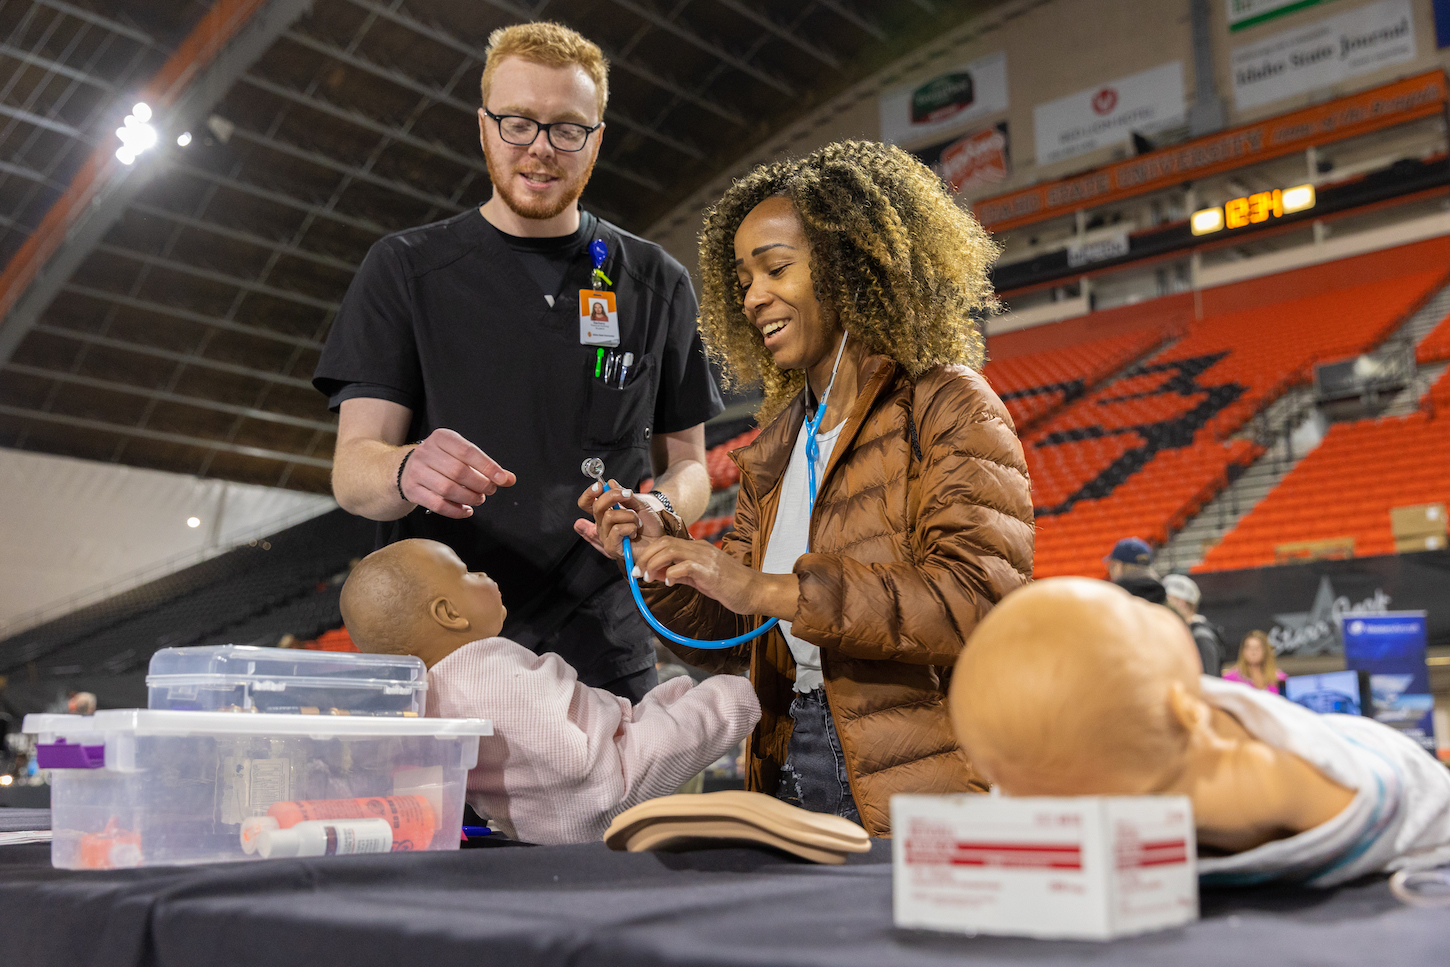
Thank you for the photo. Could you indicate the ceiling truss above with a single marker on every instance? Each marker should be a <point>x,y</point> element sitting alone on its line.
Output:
<point>234,258</point>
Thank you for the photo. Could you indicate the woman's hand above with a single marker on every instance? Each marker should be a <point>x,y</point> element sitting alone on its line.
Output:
<point>618,513</point>
<point>715,574</point>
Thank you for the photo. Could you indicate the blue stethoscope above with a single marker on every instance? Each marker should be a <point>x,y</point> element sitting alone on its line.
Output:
<point>594,467</point>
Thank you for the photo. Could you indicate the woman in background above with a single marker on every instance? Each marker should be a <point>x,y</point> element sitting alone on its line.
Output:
<point>1256,664</point>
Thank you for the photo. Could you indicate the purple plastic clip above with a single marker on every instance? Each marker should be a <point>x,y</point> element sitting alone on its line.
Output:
<point>62,755</point>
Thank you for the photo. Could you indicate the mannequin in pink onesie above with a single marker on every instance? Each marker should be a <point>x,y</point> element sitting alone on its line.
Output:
<point>565,758</point>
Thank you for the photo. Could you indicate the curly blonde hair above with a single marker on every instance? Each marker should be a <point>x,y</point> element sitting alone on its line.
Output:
<point>893,257</point>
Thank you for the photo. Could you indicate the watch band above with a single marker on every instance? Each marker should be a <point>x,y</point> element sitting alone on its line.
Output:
<point>660,496</point>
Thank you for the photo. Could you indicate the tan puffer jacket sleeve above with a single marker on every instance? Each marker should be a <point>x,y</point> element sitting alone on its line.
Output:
<point>972,538</point>
<point>685,609</point>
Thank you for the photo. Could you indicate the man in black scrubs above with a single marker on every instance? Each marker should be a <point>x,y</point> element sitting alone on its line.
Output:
<point>472,374</point>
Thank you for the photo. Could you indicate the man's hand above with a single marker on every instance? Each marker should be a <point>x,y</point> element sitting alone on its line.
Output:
<point>450,476</point>
<point>618,513</point>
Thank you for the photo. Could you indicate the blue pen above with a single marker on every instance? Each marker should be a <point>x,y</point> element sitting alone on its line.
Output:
<point>472,831</point>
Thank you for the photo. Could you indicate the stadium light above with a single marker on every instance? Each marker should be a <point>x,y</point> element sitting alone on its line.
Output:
<point>1298,199</point>
<point>183,139</point>
<point>1206,220</point>
<point>136,134</point>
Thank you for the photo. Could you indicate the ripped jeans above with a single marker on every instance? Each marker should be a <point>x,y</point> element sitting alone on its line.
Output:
<point>814,774</point>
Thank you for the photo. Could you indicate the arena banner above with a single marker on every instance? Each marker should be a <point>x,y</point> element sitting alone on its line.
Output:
<point>1300,606</point>
<point>972,162</point>
<point>1109,114</point>
<point>947,103</point>
<point>1391,647</point>
<point>1380,107</point>
<point>1243,14</point>
<point>1327,52</point>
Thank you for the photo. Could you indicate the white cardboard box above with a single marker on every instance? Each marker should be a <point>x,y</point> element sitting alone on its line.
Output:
<point>1085,867</point>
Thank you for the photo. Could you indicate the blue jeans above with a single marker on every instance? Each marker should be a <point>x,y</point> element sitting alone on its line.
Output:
<point>814,774</point>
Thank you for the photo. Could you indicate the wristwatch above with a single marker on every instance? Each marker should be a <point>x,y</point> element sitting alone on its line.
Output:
<point>660,496</point>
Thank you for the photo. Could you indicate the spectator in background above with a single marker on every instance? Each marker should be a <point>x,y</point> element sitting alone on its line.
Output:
<point>1130,567</point>
<point>1256,664</point>
<point>1183,597</point>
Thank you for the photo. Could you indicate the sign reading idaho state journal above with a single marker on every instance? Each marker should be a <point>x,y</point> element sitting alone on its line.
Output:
<point>1396,103</point>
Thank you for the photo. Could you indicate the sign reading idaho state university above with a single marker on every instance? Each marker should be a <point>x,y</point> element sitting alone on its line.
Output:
<point>1396,103</point>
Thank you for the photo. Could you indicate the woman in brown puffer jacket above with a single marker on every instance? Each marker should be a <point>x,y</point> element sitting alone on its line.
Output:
<point>848,277</point>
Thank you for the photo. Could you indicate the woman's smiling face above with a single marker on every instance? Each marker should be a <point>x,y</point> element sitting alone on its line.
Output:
<point>773,267</point>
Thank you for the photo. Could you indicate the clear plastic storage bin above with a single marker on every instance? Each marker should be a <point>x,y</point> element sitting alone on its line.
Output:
<point>141,787</point>
<point>241,678</point>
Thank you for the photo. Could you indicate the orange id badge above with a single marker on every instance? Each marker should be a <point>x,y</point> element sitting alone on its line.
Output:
<point>598,318</point>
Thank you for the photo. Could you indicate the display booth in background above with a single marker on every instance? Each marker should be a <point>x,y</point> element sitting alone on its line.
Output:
<point>1391,648</point>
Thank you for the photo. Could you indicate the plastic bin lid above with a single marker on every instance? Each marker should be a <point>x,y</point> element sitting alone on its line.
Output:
<point>144,721</point>
<point>220,664</point>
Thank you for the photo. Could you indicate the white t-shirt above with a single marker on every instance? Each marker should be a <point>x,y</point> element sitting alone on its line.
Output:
<point>1398,819</point>
<point>790,537</point>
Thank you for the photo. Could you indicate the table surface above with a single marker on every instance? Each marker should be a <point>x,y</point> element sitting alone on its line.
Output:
<point>585,905</point>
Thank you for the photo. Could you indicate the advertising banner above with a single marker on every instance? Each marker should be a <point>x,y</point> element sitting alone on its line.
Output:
<point>972,162</point>
<point>1324,53</point>
<point>1300,606</point>
<point>1247,13</point>
<point>1102,116</point>
<point>945,103</point>
<point>1380,107</point>
<point>1391,648</point>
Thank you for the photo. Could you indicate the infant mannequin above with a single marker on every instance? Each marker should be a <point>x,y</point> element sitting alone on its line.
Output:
<point>1074,687</point>
<point>565,758</point>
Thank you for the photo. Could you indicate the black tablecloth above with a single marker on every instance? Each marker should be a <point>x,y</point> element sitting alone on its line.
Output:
<point>585,905</point>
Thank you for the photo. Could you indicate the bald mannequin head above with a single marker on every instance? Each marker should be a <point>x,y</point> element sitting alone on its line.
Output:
<point>416,597</point>
<point>1065,688</point>
<point>1075,687</point>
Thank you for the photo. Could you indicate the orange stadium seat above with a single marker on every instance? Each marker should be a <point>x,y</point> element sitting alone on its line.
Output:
<point>1035,385</point>
<point>1435,347</point>
<point>1346,488</point>
<point>1143,454</point>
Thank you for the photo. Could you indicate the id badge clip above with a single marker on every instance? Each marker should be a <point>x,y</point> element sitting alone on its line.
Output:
<point>598,311</point>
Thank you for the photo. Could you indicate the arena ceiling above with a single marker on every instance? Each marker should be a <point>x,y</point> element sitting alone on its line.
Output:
<point>185,336</point>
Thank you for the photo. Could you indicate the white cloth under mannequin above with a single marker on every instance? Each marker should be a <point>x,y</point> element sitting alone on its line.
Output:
<point>1399,818</point>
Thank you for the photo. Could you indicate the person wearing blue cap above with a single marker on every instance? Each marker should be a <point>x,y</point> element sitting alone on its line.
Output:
<point>1130,567</point>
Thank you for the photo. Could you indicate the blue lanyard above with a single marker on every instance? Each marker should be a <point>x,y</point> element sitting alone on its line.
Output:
<point>813,453</point>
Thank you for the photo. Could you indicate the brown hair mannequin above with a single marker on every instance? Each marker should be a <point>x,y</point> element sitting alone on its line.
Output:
<point>416,597</point>
<point>1073,687</point>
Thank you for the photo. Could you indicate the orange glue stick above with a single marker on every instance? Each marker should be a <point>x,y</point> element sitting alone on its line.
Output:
<point>411,817</point>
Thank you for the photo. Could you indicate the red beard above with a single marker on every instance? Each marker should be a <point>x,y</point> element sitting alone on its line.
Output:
<point>537,208</point>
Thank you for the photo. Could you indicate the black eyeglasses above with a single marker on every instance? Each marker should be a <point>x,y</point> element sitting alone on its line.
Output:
<point>563,135</point>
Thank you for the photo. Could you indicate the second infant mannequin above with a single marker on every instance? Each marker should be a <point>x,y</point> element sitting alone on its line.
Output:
<point>1074,687</point>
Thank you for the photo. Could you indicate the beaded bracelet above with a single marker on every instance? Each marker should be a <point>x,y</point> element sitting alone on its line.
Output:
<point>399,482</point>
